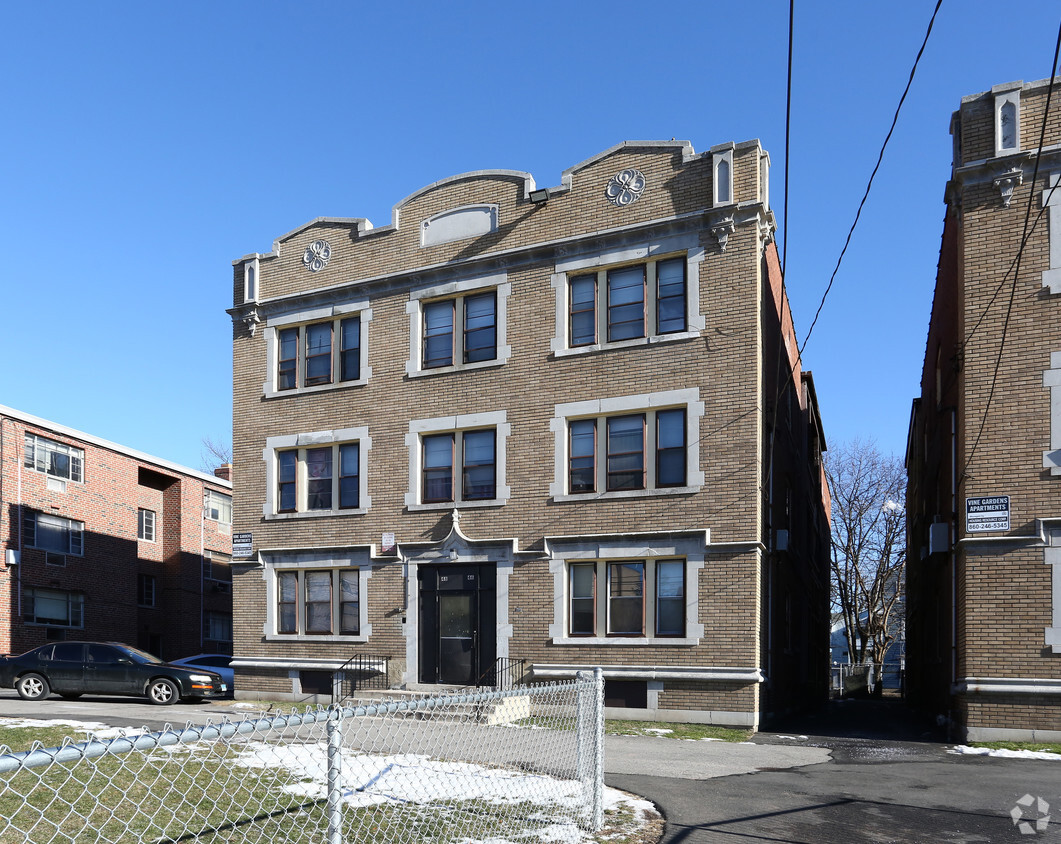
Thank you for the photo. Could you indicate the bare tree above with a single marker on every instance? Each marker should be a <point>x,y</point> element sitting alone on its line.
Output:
<point>869,547</point>
<point>214,453</point>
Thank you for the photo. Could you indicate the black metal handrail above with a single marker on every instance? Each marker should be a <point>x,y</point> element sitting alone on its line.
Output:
<point>360,672</point>
<point>504,674</point>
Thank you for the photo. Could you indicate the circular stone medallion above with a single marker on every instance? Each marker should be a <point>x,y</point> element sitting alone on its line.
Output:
<point>316,255</point>
<point>625,187</point>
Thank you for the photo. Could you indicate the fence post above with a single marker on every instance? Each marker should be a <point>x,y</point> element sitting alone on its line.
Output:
<point>598,748</point>
<point>335,776</point>
<point>582,727</point>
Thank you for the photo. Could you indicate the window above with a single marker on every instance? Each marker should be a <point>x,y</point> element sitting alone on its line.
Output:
<point>317,350</point>
<point>478,465</point>
<point>325,489</point>
<point>49,606</point>
<point>583,599</point>
<point>218,506</point>
<point>145,590</point>
<point>458,460</point>
<point>626,297</point>
<point>626,599</point>
<point>640,301</point>
<point>459,325</point>
<point>635,445</point>
<point>52,533</point>
<point>217,567</point>
<point>318,602</point>
<point>468,323</point>
<point>217,634</point>
<point>642,598</point>
<point>318,473</point>
<point>145,525</point>
<point>54,459</point>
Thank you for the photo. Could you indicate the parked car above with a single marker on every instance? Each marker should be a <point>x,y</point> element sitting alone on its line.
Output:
<point>217,663</point>
<point>72,669</point>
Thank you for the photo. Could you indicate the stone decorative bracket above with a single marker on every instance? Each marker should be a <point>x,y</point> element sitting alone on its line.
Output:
<point>722,230</point>
<point>251,320</point>
<point>1006,182</point>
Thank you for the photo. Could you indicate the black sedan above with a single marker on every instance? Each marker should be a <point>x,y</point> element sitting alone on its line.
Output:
<point>105,668</point>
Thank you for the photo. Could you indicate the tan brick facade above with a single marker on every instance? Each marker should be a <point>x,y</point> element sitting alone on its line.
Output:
<point>984,607</point>
<point>74,563</point>
<point>719,374</point>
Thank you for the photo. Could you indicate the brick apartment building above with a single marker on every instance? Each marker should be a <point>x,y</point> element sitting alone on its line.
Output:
<point>102,542</point>
<point>535,431</point>
<point>984,452</point>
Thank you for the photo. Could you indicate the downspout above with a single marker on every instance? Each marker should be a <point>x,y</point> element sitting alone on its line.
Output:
<point>202,562</point>
<point>954,546</point>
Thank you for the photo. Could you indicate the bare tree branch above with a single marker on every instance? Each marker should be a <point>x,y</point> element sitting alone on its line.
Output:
<point>214,453</point>
<point>869,546</point>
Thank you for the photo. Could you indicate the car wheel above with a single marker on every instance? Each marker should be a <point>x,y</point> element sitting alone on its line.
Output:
<point>69,695</point>
<point>163,692</point>
<point>32,687</point>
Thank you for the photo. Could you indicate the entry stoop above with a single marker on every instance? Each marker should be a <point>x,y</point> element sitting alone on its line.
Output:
<point>506,710</point>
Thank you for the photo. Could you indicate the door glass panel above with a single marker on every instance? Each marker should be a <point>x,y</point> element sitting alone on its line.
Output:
<point>456,612</point>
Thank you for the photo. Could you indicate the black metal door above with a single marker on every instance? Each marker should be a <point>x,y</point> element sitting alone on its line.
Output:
<point>457,623</point>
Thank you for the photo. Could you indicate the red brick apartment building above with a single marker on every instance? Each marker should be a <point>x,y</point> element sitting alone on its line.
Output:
<point>520,432</point>
<point>102,542</point>
<point>984,450</point>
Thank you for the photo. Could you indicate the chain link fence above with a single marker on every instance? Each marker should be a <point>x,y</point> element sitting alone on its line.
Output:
<point>485,766</point>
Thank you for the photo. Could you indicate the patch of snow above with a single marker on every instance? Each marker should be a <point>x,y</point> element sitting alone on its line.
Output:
<point>80,726</point>
<point>659,731</point>
<point>964,750</point>
<point>793,738</point>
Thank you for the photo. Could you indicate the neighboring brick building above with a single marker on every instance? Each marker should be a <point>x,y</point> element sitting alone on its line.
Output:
<point>984,576</point>
<point>563,405</point>
<point>102,542</point>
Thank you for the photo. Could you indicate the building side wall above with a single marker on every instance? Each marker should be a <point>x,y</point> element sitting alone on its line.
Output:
<point>105,574</point>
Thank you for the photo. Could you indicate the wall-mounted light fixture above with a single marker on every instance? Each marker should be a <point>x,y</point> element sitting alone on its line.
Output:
<point>539,196</point>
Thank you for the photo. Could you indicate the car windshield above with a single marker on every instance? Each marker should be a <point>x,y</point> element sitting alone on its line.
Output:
<point>140,656</point>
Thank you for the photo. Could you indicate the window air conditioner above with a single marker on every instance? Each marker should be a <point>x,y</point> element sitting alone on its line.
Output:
<point>938,538</point>
<point>781,540</point>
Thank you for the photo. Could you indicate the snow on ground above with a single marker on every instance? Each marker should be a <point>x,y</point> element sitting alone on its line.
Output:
<point>965,750</point>
<point>404,779</point>
<point>78,726</point>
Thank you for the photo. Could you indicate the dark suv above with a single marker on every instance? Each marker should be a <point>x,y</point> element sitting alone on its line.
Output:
<point>104,668</point>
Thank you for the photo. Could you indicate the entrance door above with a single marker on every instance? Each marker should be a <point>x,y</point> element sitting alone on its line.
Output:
<point>457,623</point>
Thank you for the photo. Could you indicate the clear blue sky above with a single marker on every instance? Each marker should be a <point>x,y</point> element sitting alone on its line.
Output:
<point>147,145</point>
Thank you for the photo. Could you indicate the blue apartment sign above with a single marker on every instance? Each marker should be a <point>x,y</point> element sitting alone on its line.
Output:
<point>241,545</point>
<point>990,512</point>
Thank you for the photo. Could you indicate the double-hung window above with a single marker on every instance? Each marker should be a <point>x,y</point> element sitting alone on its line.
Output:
<point>217,506</point>
<point>145,525</point>
<point>323,478</point>
<point>458,460</point>
<point>627,303</point>
<point>631,445</point>
<point>145,590</point>
<point>318,602</point>
<point>477,455</point>
<point>626,442</point>
<point>460,329</point>
<point>458,325</point>
<point>318,354</point>
<point>54,458</point>
<point>52,533</point>
<point>52,607</point>
<point>638,598</point>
